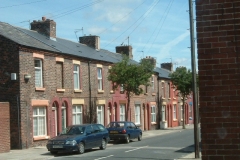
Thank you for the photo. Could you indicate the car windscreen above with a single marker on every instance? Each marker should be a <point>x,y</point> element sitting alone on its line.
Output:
<point>115,125</point>
<point>73,130</point>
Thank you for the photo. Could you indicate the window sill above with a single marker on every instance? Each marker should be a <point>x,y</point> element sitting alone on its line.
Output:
<point>169,98</point>
<point>111,91</point>
<point>37,138</point>
<point>40,89</point>
<point>174,98</point>
<point>174,120</point>
<point>163,98</point>
<point>100,91</point>
<point>153,94</point>
<point>77,90</point>
<point>145,93</point>
<point>60,90</point>
<point>153,123</point>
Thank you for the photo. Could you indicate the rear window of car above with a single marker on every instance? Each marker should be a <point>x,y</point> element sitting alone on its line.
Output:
<point>116,125</point>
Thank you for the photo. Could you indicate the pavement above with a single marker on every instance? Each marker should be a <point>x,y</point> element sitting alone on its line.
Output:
<point>41,153</point>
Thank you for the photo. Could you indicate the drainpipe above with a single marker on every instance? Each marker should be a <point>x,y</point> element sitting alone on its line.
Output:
<point>19,130</point>
<point>90,94</point>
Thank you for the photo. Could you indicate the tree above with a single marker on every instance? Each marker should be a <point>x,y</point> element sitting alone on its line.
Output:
<point>182,80</point>
<point>130,76</point>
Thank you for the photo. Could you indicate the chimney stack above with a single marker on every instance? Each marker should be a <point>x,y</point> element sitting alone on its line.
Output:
<point>45,26</point>
<point>151,59</point>
<point>91,41</point>
<point>127,50</point>
<point>168,66</point>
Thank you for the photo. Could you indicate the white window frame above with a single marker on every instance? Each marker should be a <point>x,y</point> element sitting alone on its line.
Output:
<point>153,114</point>
<point>152,82</point>
<point>122,112</point>
<point>76,113</point>
<point>181,112</point>
<point>76,74</point>
<point>163,113</point>
<point>174,112</point>
<point>39,129</point>
<point>100,114</point>
<point>99,76</point>
<point>64,116</point>
<point>137,114</point>
<point>38,69</point>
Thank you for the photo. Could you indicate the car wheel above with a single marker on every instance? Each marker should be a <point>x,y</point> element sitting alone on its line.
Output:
<point>81,148</point>
<point>103,144</point>
<point>140,137</point>
<point>127,139</point>
<point>53,152</point>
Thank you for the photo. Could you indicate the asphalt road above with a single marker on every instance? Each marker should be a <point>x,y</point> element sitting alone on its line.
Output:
<point>165,147</point>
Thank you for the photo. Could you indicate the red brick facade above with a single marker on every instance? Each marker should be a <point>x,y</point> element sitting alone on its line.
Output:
<point>218,41</point>
<point>5,127</point>
<point>57,96</point>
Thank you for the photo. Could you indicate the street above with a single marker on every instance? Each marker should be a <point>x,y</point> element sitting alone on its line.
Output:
<point>165,147</point>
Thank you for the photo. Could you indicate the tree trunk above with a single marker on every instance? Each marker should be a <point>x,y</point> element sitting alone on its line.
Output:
<point>128,106</point>
<point>183,114</point>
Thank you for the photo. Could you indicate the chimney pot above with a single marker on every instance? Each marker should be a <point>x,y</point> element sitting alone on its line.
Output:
<point>43,18</point>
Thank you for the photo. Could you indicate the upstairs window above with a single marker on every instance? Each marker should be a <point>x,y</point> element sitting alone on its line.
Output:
<point>76,76</point>
<point>38,73</point>
<point>99,76</point>
<point>152,82</point>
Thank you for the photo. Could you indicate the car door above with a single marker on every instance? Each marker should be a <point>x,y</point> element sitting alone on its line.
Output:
<point>90,137</point>
<point>135,130</point>
<point>130,130</point>
<point>98,135</point>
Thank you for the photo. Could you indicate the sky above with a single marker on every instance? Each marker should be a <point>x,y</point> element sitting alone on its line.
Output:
<point>156,28</point>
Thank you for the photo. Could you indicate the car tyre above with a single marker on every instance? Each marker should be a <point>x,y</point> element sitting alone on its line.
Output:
<point>53,152</point>
<point>103,145</point>
<point>140,137</point>
<point>127,139</point>
<point>81,148</point>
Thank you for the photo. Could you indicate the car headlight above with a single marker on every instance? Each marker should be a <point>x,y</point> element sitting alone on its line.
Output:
<point>49,142</point>
<point>72,142</point>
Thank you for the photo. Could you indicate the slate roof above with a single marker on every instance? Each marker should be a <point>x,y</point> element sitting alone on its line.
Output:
<point>33,39</point>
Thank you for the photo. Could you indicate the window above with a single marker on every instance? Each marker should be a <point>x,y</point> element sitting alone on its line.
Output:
<point>64,114</point>
<point>99,74</point>
<point>76,76</point>
<point>169,90</point>
<point>121,88</point>
<point>190,111</point>
<point>174,111</point>
<point>122,112</point>
<point>163,89</point>
<point>38,73</point>
<point>181,112</point>
<point>153,114</point>
<point>59,74</point>
<point>152,82</point>
<point>39,121</point>
<point>100,115</point>
<point>163,113</point>
<point>146,89</point>
<point>77,114</point>
<point>137,113</point>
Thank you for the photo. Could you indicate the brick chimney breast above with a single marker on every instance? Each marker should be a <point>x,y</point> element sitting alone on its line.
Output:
<point>168,66</point>
<point>151,59</point>
<point>127,50</point>
<point>91,41</point>
<point>45,26</point>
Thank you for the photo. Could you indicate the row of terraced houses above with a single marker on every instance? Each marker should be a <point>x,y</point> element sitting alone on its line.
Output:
<point>51,83</point>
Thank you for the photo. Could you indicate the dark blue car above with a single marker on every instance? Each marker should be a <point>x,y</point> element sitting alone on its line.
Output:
<point>77,138</point>
<point>124,130</point>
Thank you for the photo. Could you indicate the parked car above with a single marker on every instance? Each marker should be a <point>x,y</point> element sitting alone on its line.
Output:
<point>77,138</point>
<point>124,130</point>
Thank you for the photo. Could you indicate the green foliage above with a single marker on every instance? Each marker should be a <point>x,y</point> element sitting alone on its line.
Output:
<point>130,75</point>
<point>182,80</point>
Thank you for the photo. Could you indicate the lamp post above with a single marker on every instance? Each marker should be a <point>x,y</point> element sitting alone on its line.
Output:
<point>195,104</point>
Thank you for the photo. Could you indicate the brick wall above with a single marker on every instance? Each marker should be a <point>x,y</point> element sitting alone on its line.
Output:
<point>5,127</point>
<point>218,40</point>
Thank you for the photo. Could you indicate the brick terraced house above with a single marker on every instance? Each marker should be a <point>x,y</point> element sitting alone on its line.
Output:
<point>51,83</point>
